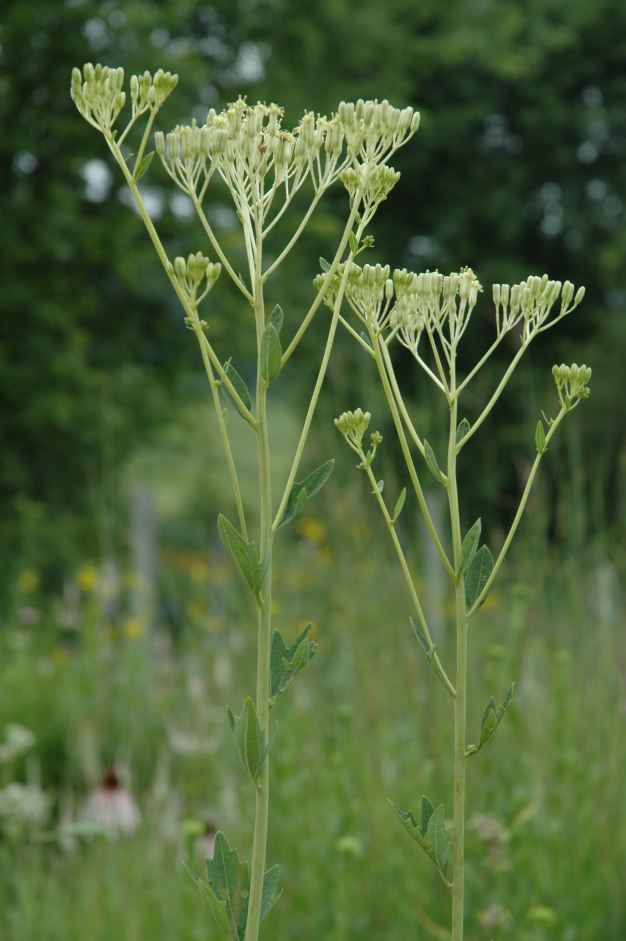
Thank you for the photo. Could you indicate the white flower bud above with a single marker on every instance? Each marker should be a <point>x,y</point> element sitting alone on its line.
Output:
<point>159,142</point>
<point>134,87</point>
<point>219,141</point>
<point>497,294</point>
<point>568,292</point>
<point>504,294</point>
<point>580,293</point>
<point>389,289</point>
<point>415,123</point>
<point>180,268</point>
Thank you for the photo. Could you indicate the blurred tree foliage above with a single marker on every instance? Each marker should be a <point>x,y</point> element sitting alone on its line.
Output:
<point>519,167</point>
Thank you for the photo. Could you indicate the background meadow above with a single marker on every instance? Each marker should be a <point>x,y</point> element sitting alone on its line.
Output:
<point>518,168</point>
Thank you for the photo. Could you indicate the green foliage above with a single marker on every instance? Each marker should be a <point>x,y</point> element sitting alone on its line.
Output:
<point>250,740</point>
<point>143,166</point>
<point>286,662</point>
<point>304,491</point>
<point>399,505</point>
<point>244,554</point>
<point>431,834</point>
<point>429,650</point>
<point>239,386</point>
<point>477,575</point>
<point>271,353</point>
<point>227,893</point>
<point>469,547</point>
<point>431,461</point>
<point>540,437</point>
<point>462,428</point>
<point>491,720</point>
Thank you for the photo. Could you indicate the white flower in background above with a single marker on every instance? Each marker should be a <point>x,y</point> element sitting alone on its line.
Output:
<point>22,807</point>
<point>18,740</point>
<point>111,807</point>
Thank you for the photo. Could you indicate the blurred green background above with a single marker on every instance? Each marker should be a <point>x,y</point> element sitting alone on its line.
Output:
<point>518,168</point>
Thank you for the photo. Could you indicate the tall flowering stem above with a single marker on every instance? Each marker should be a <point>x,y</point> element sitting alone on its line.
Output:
<point>263,165</point>
<point>435,311</point>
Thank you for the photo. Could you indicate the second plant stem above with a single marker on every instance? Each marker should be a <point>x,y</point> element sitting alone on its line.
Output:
<point>460,701</point>
<point>264,616</point>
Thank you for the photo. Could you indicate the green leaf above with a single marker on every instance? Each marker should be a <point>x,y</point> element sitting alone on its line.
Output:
<point>276,318</point>
<point>325,265</point>
<point>492,718</point>
<point>285,661</point>
<point>379,485</point>
<point>245,557</point>
<point>469,547</point>
<point>432,835</point>
<point>427,812</point>
<point>429,652</point>
<point>431,460</point>
<point>212,901</point>
<point>239,386</point>
<point>540,437</point>
<point>143,166</point>
<point>354,245</point>
<point>477,575</point>
<point>250,740</point>
<point>228,891</point>
<point>438,840</point>
<point>229,880</point>
<point>304,491</point>
<point>462,428</point>
<point>270,892</point>
<point>398,507</point>
<point>366,339</point>
<point>271,353</point>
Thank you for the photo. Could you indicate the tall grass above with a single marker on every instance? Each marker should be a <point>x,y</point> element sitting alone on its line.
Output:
<point>364,727</point>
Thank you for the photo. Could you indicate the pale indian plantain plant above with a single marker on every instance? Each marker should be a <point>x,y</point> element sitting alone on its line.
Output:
<point>436,310</point>
<point>263,166</point>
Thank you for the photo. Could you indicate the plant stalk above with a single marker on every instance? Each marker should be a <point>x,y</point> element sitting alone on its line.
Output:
<point>460,701</point>
<point>257,870</point>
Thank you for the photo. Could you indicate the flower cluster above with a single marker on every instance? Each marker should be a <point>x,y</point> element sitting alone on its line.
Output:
<point>428,300</point>
<point>353,426</point>
<point>571,383</point>
<point>190,274</point>
<point>372,129</point>
<point>531,301</point>
<point>244,144</point>
<point>97,93</point>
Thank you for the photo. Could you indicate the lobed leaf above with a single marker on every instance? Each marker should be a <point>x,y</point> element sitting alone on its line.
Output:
<point>286,662</point>
<point>432,835</point>
<point>492,718</point>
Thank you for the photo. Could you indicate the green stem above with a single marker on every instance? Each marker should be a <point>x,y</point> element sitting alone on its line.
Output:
<point>518,516</point>
<point>405,570</point>
<point>224,435</point>
<point>257,870</point>
<point>460,702</point>
<point>407,454</point>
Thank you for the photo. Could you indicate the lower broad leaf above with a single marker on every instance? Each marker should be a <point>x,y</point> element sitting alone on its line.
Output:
<point>432,835</point>
<point>245,556</point>
<point>271,894</point>
<point>304,491</point>
<point>286,662</point>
